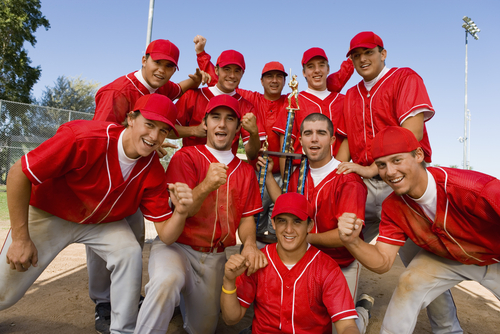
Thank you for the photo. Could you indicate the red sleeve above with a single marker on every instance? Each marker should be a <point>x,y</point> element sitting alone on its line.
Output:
<point>185,106</point>
<point>53,158</point>
<point>336,81</point>
<point>412,95</point>
<point>111,106</point>
<point>154,203</point>
<point>253,202</point>
<point>182,169</point>
<point>206,65</point>
<point>389,231</point>
<point>336,295</point>
<point>247,289</point>
<point>350,196</point>
<point>171,90</point>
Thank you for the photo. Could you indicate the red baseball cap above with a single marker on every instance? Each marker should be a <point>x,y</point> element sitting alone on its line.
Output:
<point>274,66</point>
<point>311,53</point>
<point>293,203</point>
<point>392,140</point>
<point>163,49</point>
<point>365,39</point>
<point>157,107</point>
<point>224,100</point>
<point>229,57</point>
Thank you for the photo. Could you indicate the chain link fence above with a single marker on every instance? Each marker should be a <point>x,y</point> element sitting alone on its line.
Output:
<point>25,126</point>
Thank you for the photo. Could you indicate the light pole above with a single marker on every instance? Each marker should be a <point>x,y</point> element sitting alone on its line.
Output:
<point>150,22</point>
<point>472,29</point>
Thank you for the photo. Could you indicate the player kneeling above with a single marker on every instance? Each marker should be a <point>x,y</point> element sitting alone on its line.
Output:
<point>78,186</point>
<point>302,291</point>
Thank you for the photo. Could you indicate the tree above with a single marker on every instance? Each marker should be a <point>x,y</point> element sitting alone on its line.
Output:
<point>71,94</point>
<point>19,19</point>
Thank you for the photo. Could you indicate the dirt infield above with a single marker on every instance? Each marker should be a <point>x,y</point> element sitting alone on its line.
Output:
<point>58,302</point>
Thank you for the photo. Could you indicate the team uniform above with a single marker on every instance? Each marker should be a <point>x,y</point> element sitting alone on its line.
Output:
<point>117,98</point>
<point>190,271</point>
<point>330,198</point>
<point>304,299</point>
<point>75,198</point>
<point>459,235</point>
<point>113,102</point>
<point>309,103</point>
<point>191,111</point>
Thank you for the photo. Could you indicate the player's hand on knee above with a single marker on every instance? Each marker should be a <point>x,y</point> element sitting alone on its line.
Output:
<point>199,43</point>
<point>235,266</point>
<point>21,255</point>
<point>249,123</point>
<point>349,226</point>
<point>216,175</point>
<point>181,196</point>
<point>255,258</point>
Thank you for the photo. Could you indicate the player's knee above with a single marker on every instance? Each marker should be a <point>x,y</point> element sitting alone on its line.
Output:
<point>167,283</point>
<point>410,280</point>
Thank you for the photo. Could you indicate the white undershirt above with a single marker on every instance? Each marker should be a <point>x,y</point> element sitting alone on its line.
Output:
<point>224,157</point>
<point>126,163</point>
<point>428,201</point>
<point>216,91</point>
<point>320,94</point>
<point>318,174</point>
<point>290,266</point>
<point>139,77</point>
<point>369,84</point>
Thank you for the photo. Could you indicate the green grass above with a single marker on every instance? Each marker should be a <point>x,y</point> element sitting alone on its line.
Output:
<point>4,212</point>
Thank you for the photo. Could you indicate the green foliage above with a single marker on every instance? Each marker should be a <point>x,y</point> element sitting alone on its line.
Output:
<point>19,19</point>
<point>241,147</point>
<point>4,211</point>
<point>70,93</point>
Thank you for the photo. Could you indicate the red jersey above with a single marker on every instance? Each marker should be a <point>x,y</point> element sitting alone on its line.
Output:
<point>399,92</point>
<point>220,214</point>
<point>76,176</point>
<point>115,100</point>
<point>304,299</point>
<point>334,195</point>
<point>332,107</point>
<point>269,113</point>
<point>467,223</point>
<point>191,111</point>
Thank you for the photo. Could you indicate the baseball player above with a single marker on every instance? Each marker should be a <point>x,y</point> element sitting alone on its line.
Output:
<point>229,69</point>
<point>78,186</point>
<point>269,105</point>
<point>113,102</point>
<point>301,291</point>
<point>226,196</point>
<point>452,214</point>
<point>316,99</point>
<point>116,99</point>
<point>386,97</point>
<point>330,195</point>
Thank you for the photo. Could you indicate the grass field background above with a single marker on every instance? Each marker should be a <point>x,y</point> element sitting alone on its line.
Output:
<point>4,212</point>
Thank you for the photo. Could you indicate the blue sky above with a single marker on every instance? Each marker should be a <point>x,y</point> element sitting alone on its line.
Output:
<point>104,39</point>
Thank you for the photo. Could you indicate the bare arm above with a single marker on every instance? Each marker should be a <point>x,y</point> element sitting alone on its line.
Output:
<point>347,326</point>
<point>188,131</point>
<point>232,311</point>
<point>377,258</point>
<point>416,125</point>
<point>252,147</point>
<point>326,239</point>
<point>22,252</point>
<point>181,197</point>
<point>363,171</point>
<point>255,258</point>
<point>344,154</point>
